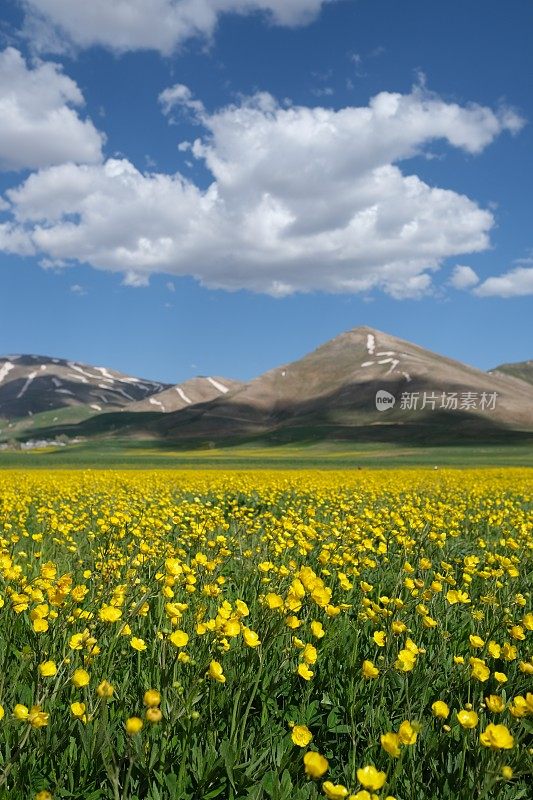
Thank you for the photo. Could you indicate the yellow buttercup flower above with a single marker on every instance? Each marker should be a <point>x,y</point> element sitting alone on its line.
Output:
<point>105,690</point>
<point>495,703</point>
<point>371,778</point>
<point>80,678</point>
<point>215,672</point>
<point>315,764</point>
<point>151,698</point>
<point>391,743</point>
<point>407,733</point>
<point>153,715</point>
<point>334,791</point>
<point>440,709</point>
<point>138,644</point>
<point>369,670</point>
<point>466,718</point>
<point>179,638</point>
<point>250,637</point>
<point>301,735</point>
<point>496,737</point>
<point>47,669</point>
<point>133,725</point>
<point>304,672</point>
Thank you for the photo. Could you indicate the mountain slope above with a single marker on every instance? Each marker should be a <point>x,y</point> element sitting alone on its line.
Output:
<point>32,384</point>
<point>334,389</point>
<point>520,369</point>
<point>189,393</point>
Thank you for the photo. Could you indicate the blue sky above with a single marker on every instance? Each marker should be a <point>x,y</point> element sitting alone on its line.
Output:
<point>306,207</point>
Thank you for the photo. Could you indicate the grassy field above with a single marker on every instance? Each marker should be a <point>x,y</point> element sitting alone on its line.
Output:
<point>324,455</point>
<point>266,635</point>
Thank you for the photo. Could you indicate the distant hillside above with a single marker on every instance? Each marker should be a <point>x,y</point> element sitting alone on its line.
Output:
<point>32,384</point>
<point>363,385</point>
<point>189,393</point>
<point>521,369</point>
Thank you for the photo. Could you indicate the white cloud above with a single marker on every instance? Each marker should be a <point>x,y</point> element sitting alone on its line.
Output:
<point>39,125</point>
<point>163,25</point>
<point>181,96</point>
<point>517,282</point>
<point>463,277</point>
<point>301,199</point>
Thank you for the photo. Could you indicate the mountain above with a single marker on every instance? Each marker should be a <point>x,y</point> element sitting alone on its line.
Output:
<point>189,393</point>
<point>521,369</point>
<point>32,384</point>
<point>363,384</point>
<point>332,392</point>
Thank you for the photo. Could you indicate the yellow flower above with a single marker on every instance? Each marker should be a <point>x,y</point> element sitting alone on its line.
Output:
<point>468,719</point>
<point>495,703</point>
<point>517,632</point>
<point>274,600</point>
<point>109,613</point>
<point>494,649</point>
<point>133,725</point>
<point>153,715</point>
<point>476,641</point>
<point>371,778</point>
<point>137,644</point>
<point>105,689</point>
<point>398,627</point>
<point>509,651</point>
<point>479,669</point>
<point>179,638</point>
<point>407,733</point>
<point>309,654</point>
<point>527,622</point>
<point>455,596</point>
<point>47,669</point>
<point>380,638</point>
<point>301,735</point>
<point>304,672</point>
<point>78,711</point>
<point>440,710</point>
<point>391,743</point>
<point>37,718</point>
<point>44,795</point>
<point>507,773</point>
<point>215,672</point>
<point>315,764</point>
<point>2,712</point>
<point>80,678</point>
<point>334,791</point>
<point>363,795</point>
<point>317,630</point>
<point>369,670</point>
<point>496,737</point>
<point>406,661</point>
<point>519,707</point>
<point>250,637</point>
<point>151,698</point>
<point>20,712</point>
<point>501,677</point>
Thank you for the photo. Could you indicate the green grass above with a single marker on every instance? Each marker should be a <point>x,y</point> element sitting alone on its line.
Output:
<point>325,455</point>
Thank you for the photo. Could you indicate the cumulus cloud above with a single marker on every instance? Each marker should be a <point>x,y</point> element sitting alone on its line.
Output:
<point>518,282</point>
<point>39,124</point>
<point>163,25</point>
<point>463,277</point>
<point>301,199</point>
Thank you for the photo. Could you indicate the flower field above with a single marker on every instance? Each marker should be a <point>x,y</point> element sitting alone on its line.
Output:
<point>256,635</point>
